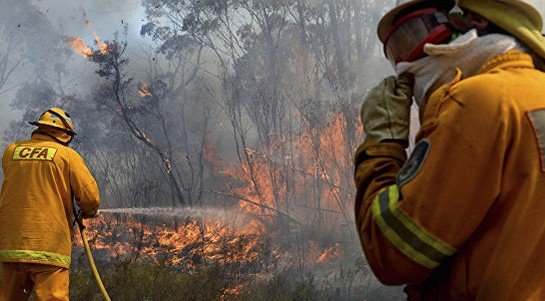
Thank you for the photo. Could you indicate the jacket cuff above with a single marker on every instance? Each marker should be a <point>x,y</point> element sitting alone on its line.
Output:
<point>369,150</point>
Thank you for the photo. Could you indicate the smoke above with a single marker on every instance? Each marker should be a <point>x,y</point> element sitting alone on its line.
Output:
<point>237,218</point>
<point>24,33</point>
<point>38,25</point>
<point>105,16</point>
<point>34,33</point>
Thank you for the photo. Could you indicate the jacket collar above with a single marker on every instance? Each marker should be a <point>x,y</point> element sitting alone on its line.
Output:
<point>44,136</point>
<point>40,136</point>
<point>510,59</point>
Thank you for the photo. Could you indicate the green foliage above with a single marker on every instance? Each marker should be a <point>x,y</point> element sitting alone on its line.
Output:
<point>283,286</point>
<point>134,281</point>
<point>139,281</point>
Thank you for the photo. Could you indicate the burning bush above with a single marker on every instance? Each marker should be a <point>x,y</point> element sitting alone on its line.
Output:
<point>184,242</point>
<point>226,249</point>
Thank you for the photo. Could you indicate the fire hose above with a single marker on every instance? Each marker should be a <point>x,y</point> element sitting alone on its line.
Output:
<point>90,258</point>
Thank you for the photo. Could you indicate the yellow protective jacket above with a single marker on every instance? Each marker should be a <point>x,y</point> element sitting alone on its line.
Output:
<point>464,217</point>
<point>36,212</point>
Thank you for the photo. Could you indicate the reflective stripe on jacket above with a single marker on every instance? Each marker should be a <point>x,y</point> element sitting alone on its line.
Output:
<point>36,211</point>
<point>463,219</point>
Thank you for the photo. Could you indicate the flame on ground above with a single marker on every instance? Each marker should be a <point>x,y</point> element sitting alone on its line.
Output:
<point>187,243</point>
<point>189,240</point>
<point>330,253</point>
<point>143,89</point>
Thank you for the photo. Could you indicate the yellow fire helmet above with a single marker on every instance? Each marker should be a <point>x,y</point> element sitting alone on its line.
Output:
<point>516,17</point>
<point>57,118</point>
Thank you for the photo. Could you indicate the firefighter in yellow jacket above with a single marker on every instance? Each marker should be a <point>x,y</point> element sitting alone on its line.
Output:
<point>41,176</point>
<point>463,218</point>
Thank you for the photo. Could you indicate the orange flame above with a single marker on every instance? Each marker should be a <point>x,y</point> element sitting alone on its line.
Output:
<point>77,44</point>
<point>260,175</point>
<point>102,47</point>
<point>330,253</point>
<point>143,90</point>
<point>186,245</point>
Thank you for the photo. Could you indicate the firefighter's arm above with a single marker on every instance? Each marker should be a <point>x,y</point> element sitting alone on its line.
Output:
<point>411,225</point>
<point>84,187</point>
<point>377,167</point>
<point>385,116</point>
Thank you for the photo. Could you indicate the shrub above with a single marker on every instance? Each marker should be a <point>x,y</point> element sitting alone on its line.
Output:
<point>139,281</point>
<point>283,286</point>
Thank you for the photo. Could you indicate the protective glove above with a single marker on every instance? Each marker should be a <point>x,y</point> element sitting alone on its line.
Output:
<point>385,113</point>
<point>82,215</point>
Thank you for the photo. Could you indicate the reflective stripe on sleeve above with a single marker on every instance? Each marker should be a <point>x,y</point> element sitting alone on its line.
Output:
<point>34,256</point>
<point>411,239</point>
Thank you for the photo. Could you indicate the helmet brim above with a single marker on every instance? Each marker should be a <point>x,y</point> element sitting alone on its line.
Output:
<point>386,23</point>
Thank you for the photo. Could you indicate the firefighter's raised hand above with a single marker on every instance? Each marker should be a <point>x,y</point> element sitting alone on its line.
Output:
<point>385,113</point>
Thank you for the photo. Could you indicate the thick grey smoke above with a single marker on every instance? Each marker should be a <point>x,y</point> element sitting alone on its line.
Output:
<point>59,18</point>
<point>34,33</point>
